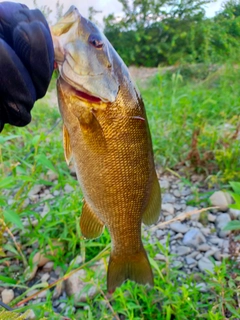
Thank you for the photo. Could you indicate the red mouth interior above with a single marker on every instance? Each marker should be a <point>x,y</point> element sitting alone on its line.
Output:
<point>87,97</point>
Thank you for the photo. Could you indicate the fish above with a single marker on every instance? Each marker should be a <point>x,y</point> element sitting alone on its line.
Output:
<point>106,133</point>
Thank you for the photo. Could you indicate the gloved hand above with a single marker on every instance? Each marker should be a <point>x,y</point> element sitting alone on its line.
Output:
<point>26,61</point>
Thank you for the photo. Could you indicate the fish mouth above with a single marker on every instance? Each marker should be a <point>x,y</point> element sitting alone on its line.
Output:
<point>87,97</point>
<point>82,95</point>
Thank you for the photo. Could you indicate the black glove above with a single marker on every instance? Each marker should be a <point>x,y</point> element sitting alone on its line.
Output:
<point>26,61</point>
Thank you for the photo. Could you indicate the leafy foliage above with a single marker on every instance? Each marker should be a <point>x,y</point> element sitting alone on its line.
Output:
<point>168,32</point>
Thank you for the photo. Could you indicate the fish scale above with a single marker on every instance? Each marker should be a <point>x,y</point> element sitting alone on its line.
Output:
<point>107,134</point>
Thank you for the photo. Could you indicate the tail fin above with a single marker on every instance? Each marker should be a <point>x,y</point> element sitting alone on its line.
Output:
<point>123,267</point>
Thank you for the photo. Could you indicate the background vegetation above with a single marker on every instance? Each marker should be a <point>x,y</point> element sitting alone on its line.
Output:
<point>193,110</point>
<point>166,32</point>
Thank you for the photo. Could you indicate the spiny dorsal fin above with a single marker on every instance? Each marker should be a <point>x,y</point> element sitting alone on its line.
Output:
<point>91,226</point>
<point>66,145</point>
<point>152,212</point>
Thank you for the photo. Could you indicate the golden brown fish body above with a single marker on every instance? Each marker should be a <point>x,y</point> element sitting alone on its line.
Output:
<point>108,136</point>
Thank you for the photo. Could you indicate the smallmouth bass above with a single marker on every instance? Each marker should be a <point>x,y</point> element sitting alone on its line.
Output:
<point>106,132</point>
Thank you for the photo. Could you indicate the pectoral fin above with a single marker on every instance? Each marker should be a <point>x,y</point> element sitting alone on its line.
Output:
<point>92,131</point>
<point>153,209</point>
<point>91,226</point>
<point>66,145</point>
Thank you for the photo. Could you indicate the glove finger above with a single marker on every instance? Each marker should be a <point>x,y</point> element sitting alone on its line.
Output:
<point>9,18</point>
<point>33,44</point>
<point>16,88</point>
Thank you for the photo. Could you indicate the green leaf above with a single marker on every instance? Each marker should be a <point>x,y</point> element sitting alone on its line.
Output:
<point>45,162</point>
<point>235,186</point>
<point>233,225</point>
<point>13,217</point>
<point>6,182</point>
<point>7,280</point>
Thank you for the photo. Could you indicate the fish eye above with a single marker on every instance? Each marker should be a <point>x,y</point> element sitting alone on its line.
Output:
<point>96,41</point>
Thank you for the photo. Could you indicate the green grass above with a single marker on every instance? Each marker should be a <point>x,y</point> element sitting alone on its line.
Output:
<point>194,115</point>
<point>177,105</point>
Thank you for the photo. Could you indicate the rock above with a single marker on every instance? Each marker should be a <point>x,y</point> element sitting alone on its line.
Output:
<point>164,184</point>
<point>58,290</point>
<point>176,193</point>
<point>177,264</point>
<point>168,198</point>
<point>160,233</point>
<point>193,238</point>
<point>204,247</point>
<point>182,250</point>
<point>198,256</point>
<point>35,190</point>
<point>221,200</point>
<point>234,213</point>
<point>75,284</point>
<point>221,221</point>
<point>167,208</point>
<point>211,217</point>
<point>68,188</point>
<point>160,257</point>
<point>31,315</point>
<point>40,259</point>
<point>52,175</point>
<point>195,216</point>
<point>76,261</point>
<point>217,255</point>
<point>206,231</point>
<point>202,287</point>
<point>186,191</point>
<point>7,295</point>
<point>29,273</point>
<point>48,266</point>
<point>45,277</point>
<point>169,217</point>
<point>179,227</point>
<point>204,264</point>
<point>190,260</point>
<point>211,252</point>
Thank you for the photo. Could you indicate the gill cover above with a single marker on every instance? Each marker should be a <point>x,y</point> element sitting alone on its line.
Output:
<point>84,56</point>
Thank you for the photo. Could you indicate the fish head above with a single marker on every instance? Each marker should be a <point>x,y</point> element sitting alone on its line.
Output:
<point>85,57</point>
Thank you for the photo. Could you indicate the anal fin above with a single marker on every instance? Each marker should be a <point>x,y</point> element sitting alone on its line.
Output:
<point>152,211</point>
<point>91,226</point>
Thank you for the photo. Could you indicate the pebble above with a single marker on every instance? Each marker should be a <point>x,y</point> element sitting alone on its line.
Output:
<point>234,213</point>
<point>193,238</point>
<point>48,266</point>
<point>221,221</point>
<point>203,247</point>
<point>168,198</point>
<point>160,257</point>
<point>68,188</point>
<point>35,190</point>
<point>183,250</point>
<point>179,227</point>
<point>75,285</point>
<point>221,200</point>
<point>164,184</point>
<point>45,277</point>
<point>190,260</point>
<point>211,217</point>
<point>7,295</point>
<point>176,193</point>
<point>167,208</point>
<point>204,264</point>
<point>195,216</point>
